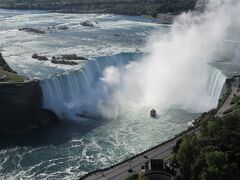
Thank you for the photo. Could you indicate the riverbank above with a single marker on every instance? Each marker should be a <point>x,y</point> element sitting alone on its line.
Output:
<point>21,103</point>
<point>123,7</point>
<point>120,171</point>
<point>162,151</point>
<point>7,74</point>
<point>231,102</point>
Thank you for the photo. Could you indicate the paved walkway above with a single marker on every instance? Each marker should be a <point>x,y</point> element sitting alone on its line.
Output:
<point>234,91</point>
<point>120,172</point>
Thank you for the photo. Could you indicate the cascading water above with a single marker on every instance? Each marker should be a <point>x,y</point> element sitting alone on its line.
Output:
<point>209,90</point>
<point>75,92</point>
<point>80,91</point>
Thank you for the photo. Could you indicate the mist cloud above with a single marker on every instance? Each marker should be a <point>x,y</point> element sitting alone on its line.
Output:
<point>176,70</point>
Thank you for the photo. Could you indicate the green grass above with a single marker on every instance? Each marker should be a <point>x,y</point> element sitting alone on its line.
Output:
<point>11,77</point>
<point>132,177</point>
<point>236,105</point>
<point>235,100</point>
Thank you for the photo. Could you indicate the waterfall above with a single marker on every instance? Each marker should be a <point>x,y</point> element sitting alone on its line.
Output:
<point>71,93</point>
<point>212,80</point>
<point>78,91</point>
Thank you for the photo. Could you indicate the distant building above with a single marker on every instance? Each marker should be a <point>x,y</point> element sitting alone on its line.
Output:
<point>156,171</point>
<point>165,18</point>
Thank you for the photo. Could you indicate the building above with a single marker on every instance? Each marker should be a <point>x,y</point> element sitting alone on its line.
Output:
<point>165,18</point>
<point>156,170</point>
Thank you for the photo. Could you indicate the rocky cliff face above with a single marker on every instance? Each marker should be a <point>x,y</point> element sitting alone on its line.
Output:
<point>20,108</point>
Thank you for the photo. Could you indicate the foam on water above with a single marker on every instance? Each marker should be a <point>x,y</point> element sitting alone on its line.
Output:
<point>111,35</point>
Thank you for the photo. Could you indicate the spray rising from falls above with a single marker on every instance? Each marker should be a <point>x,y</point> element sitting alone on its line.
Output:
<point>79,91</point>
<point>174,72</point>
<point>89,89</point>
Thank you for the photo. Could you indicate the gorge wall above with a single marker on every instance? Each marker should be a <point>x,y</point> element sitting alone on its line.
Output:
<point>20,108</point>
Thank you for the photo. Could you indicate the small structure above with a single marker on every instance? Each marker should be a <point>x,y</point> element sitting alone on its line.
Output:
<point>156,165</point>
<point>153,113</point>
<point>157,175</point>
<point>157,171</point>
<point>165,18</point>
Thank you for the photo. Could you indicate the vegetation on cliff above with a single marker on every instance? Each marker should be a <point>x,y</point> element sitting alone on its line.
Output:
<point>7,74</point>
<point>21,103</point>
<point>126,7</point>
<point>214,152</point>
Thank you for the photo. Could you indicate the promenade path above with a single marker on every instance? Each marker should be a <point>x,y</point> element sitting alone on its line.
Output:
<point>234,91</point>
<point>120,172</point>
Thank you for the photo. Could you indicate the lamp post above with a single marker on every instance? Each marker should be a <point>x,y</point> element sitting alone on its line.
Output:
<point>130,168</point>
<point>147,163</point>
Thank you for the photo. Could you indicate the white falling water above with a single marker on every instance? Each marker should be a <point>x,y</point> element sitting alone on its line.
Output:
<point>84,90</point>
<point>78,91</point>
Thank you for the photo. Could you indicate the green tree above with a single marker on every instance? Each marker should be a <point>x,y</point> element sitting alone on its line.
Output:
<point>186,154</point>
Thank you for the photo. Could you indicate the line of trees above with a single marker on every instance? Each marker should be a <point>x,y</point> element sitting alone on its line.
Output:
<point>214,152</point>
<point>127,7</point>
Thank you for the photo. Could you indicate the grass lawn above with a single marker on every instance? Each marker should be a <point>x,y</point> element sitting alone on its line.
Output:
<point>235,100</point>
<point>11,77</point>
<point>236,105</point>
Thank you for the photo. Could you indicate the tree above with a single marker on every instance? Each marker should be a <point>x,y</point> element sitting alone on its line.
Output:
<point>213,152</point>
<point>186,155</point>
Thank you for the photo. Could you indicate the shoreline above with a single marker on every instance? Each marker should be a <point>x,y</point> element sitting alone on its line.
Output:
<point>176,137</point>
<point>129,7</point>
<point>160,18</point>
